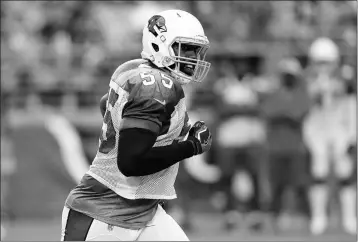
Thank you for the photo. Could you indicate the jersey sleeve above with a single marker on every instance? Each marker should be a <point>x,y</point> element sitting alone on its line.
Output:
<point>102,104</point>
<point>150,101</point>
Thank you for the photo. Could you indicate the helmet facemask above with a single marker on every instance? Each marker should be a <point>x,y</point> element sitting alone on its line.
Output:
<point>187,68</point>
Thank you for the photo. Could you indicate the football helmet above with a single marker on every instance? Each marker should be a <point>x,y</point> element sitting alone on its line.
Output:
<point>324,49</point>
<point>324,57</point>
<point>290,65</point>
<point>165,37</point>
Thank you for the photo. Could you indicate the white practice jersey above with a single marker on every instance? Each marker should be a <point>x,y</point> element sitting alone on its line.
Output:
<point>144,92</point>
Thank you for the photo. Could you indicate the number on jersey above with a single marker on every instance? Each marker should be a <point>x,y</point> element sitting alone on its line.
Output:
<point>149,79</point>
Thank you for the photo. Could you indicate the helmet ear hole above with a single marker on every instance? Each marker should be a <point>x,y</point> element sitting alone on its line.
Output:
<point>155,47</point>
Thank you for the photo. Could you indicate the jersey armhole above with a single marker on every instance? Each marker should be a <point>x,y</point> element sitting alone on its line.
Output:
<point>128,123</point>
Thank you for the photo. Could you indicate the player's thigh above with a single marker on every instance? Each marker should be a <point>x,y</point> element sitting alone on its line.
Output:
<point>80,227</point>
<point>320,159</point>
<point>299,174</point>
<point>314,136</point>
<point>162,228</point>
<point>277,170</point>
<point>100,231</point>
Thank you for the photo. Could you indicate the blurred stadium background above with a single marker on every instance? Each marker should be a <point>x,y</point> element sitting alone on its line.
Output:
<point>57,58</point>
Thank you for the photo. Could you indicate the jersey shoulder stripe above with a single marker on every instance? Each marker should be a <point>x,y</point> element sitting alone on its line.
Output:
<point>127,66</point>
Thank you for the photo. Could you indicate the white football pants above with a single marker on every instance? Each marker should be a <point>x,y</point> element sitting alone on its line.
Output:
<point>162,228</point>
<point>327,143</point>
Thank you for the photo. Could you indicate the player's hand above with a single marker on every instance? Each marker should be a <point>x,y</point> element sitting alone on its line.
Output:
<point>200,136</point>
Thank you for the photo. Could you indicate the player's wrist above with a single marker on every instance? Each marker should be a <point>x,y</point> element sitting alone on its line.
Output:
<point>195,143</point>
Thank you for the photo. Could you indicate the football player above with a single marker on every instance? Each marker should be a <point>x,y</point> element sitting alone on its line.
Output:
<point>145,133</point>
<point>284,109</point>
<point>329,131</point>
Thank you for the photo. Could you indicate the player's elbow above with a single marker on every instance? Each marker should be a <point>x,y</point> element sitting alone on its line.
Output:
<point>127,171</point>
<point>126,166</point>
<point>132,145</point>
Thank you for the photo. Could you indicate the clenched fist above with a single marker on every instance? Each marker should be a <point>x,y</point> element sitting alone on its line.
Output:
<point>200,136</point>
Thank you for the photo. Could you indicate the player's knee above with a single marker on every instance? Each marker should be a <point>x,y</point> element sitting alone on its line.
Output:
<point>320,169</point>
<point>346,182</point>
<point>320,175</point>
<point>319,180</point>
<point>344,167</point>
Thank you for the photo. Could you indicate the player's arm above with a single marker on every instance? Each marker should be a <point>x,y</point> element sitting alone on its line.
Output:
<point>141,125</point>
<point>138,157</point>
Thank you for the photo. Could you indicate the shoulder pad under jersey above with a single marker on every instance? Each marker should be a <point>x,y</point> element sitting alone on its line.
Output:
<point>151,83</point>
<point>152,95</point>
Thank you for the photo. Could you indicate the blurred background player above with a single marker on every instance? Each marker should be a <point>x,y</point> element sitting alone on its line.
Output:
<point>285,109</point>
<point>198,173</point>
<point>329,131</point>
<point>240,138</point>
<point>144,125</point>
